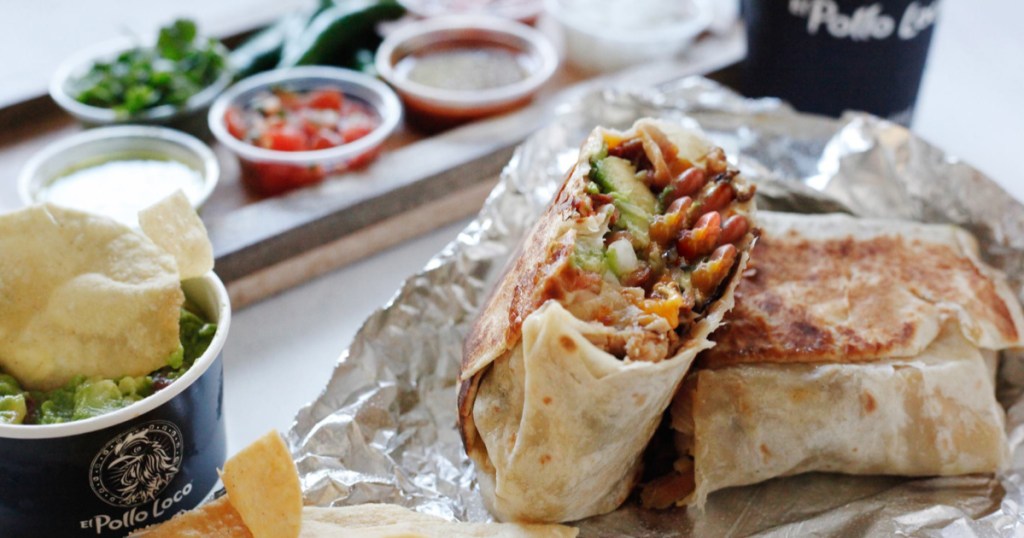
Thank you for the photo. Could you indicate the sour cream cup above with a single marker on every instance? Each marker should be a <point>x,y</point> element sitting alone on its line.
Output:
<point>104,145</point>
<point>600,44</point>
<point>116,473</point>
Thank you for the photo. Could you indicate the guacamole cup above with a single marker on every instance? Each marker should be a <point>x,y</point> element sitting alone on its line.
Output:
<point>112,474</point>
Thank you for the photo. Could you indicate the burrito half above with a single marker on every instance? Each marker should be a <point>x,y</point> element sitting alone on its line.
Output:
<point>858,347</point>
<point>576,356</point>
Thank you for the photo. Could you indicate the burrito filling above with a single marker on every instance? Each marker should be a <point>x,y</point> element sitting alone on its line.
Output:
<point>656,236</point>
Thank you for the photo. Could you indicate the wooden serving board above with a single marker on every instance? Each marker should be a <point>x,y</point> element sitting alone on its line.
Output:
<point>418,184</point>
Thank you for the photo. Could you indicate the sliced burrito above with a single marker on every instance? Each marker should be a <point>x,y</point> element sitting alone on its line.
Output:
<point>856,346</point>
<point>576,356</point>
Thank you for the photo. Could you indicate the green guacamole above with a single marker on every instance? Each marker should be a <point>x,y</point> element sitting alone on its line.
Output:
<point>88,397</point>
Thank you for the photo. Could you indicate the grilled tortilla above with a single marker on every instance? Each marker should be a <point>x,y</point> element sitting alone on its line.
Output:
<point>857,346</point>
<point>577,354</point>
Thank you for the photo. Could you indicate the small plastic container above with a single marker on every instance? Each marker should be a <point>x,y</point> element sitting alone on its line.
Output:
<point>599,39</point>
<point>268,172</point>
<point>104,145</point>
<point>177,116</point>
<point>432,108</point>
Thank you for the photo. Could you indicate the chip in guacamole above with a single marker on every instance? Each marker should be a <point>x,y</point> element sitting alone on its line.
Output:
<point>84,397</point>
<point>92,313</point>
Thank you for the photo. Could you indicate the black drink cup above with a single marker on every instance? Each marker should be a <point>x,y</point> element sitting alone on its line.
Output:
<point>828,56</point>
<point>116,473</point>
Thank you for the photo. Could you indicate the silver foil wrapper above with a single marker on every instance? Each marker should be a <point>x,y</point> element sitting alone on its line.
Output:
<point>384,429</point>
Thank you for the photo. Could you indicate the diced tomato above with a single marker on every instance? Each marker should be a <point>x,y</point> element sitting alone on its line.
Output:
<point>283,138</point>
<point>234,123</point>
<point>325,98</point>
<point>310,128</point>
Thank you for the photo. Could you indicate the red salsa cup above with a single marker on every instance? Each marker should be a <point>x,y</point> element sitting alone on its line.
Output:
<point>291,128</point>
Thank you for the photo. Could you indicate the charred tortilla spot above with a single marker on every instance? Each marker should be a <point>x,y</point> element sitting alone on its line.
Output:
<point>869,402</point>
<point>567,343</point>
<point>547,400</point>
<point>545,459</point>
<point>806,335</point>
<point>765,452</point>
<point>769,302</point>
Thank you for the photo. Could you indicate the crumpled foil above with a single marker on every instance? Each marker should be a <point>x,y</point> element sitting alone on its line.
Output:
<point>384,429</point>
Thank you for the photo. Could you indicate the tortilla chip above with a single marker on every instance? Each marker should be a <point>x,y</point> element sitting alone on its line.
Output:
<point>217,519</point>
<point>175,227</point>
<point>82,294</point>
<point>391,521</point>
<point>263,486</point>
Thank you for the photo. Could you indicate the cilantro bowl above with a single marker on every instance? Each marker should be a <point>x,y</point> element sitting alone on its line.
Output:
<point>76,89</point>
<point>128,468</point>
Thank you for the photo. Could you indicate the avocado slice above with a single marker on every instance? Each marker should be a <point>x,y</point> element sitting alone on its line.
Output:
<point>615,175</point>
<point>589,257</point>
<point>635,202</point>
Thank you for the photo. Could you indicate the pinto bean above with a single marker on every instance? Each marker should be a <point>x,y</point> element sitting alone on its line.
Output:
<point>702,238</point>
<point>642,277</point>
<point>733,229</point>
<point>717,197</point>
<point>631,150</point>
<point>710,273</point>
<point>689,182</point>
<point>666,227</point>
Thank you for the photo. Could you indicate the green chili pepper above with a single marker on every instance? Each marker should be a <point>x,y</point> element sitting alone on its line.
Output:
<point>262,50</point>
<point>336,35</point>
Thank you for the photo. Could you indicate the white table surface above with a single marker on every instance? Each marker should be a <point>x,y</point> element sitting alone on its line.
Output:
<point>281,351</point>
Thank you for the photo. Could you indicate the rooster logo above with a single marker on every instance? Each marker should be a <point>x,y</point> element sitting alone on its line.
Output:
<point>134,467</point>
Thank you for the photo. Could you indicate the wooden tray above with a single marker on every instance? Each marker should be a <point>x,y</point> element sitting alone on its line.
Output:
<point>418,184</point>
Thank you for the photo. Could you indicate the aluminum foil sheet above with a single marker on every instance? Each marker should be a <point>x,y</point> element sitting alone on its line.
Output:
<point>384,428</point>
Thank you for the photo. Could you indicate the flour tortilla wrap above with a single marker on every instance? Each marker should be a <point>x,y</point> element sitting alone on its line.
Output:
<point>558,400</point>
<point>859,347</point>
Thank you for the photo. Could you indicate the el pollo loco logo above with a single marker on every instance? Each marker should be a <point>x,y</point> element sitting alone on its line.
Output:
<point>866,22</point>
<point>134,467</point>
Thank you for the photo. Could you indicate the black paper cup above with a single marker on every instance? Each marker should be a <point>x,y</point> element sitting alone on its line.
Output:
<point>829,56</point>
<point>121,471</point>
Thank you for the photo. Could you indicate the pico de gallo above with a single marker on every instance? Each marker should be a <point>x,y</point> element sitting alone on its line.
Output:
<point>290,121</point>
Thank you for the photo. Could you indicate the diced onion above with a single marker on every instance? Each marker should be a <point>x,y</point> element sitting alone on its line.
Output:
<point>622,257</point>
